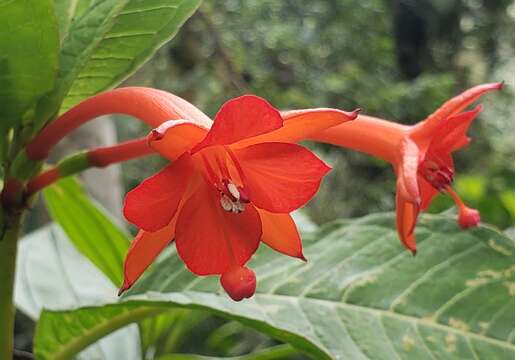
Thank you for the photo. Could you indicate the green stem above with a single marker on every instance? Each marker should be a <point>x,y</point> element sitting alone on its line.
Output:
<point>8,245</point>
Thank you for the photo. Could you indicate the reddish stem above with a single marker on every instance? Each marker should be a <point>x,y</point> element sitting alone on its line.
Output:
<point>99,157</point>
<point>43,180</point>
<point>104,156</point>
<point>10,192</point>
<point>149,105</point>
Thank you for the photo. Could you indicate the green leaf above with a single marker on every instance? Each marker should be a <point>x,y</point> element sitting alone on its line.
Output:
<point>29,46</point>
<point>360,296</point>
<point>112,39</point>
<point>273,353</point>
<point>88,227</point>
<point>52,274</point>
<point>65,11</point>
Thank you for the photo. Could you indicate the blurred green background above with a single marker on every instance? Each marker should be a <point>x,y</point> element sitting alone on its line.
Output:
<point>398,60</point>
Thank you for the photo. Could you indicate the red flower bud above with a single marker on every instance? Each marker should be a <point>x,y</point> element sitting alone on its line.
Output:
<point>239,283</point>
<point>468,217</point>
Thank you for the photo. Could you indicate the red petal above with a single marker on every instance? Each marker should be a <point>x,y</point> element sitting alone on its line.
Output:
<point>407,171</point>
<point>425,129</point>
<point>280,177</point>
<point>280,233</point>
<point>427,193</point>
<point>241,118</point>
<point>174,137</point>
<point>211,240</point>
<point>142,252</point>
<point>153,204</point>
<point>300,124</point>
<point>407,214</point>
<point>451,134</point>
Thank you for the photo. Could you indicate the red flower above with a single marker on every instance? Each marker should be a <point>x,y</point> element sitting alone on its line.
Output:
<point>420,155</point>
<point>229,188</point>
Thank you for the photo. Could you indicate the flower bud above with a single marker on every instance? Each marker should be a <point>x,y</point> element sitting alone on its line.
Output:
<point>239,282</point>
<point>468,217</point>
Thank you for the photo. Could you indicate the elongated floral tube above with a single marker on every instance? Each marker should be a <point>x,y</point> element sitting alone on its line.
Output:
<point>151,106</point>
<point>420,155</point>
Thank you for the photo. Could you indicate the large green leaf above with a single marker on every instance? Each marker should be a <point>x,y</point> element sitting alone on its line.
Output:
<point>88,227</point>
<point>111,39</point>
<point>52,274</point>
<point>29,46</point>
<point>65,11</point>
<point>360,296</point>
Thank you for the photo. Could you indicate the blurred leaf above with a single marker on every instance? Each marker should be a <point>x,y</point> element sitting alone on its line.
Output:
<point>274,353</point>
<point>360,296</point>
<point>112,39</point>
<point>471,187</point>
<point>29,46</point>
<point>508,200</point>
<point>52,274</point>
<point>88,227</point>
<point>510,232</point>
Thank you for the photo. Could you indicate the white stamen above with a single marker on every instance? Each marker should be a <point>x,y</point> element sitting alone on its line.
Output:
<point>233,189</point>
<point>238,207</point>
<point>226,203</point>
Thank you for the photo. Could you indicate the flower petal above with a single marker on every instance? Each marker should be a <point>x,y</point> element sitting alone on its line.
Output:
<point>152,204</point>
<point>280,177</point>
<point>407,171</point>
<point>424,129</point>
<point>280,233</point>
<point>427,193</point>
<point>241,118</point>
<point>451,134</point>
<point>142,252</point>
<point>407,214</point>
<point>300,124</point>
<point>211,240</point>
<point>174,137</point>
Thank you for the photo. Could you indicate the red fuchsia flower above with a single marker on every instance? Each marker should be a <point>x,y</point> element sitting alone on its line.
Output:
<point>230,186</point>
<point>420,154</point>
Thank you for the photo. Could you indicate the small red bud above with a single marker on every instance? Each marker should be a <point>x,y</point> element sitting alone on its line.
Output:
<point>468,217</point>
<point>239,283</point>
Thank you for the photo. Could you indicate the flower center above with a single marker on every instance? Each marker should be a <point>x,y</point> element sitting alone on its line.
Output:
<point>232,197</point>
<point>224,173</point>
<point>440,176</point>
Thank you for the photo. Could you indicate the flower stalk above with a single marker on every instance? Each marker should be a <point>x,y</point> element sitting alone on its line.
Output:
<point>98,157</point>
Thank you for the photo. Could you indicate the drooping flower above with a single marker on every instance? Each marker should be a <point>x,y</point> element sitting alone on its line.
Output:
<point>228,188</point>
<point>420,155</point>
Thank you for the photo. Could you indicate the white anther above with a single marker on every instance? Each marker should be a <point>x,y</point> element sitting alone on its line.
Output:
<point>233,189</point>
<point>226,203</point>
<point>238,207</point>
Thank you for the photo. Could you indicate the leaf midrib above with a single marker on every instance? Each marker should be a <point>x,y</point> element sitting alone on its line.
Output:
<point>347,306</point>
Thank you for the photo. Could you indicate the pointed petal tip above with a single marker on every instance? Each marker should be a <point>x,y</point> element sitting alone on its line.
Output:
<point>126,286</point>
<point>354,114</point>
<point>413,252</point>
<point>302,257</point>
<point>154,135</point>
<point>500,85</point>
